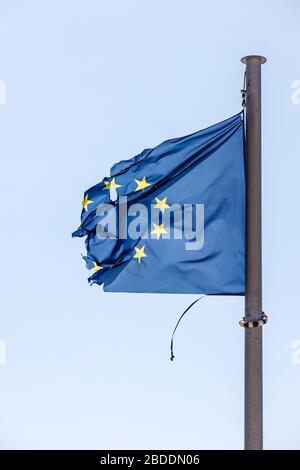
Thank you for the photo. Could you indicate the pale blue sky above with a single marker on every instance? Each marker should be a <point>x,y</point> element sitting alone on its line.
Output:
<point>89,83</point>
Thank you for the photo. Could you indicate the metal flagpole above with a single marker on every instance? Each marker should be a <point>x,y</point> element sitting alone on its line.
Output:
<point>253,319</point>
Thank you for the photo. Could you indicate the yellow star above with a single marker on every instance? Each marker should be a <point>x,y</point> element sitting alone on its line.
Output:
<point>139,253</point>
<point>142,184</point>
<point>159,230</point>
<point>112,183</point>
<point>86,202</point>
<point>161,204</point>
<point>96,267</point>
<point>115,184</point>
<point>107,185</point>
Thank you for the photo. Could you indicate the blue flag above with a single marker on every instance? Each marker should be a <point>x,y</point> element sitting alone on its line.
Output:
<point>177,223</point>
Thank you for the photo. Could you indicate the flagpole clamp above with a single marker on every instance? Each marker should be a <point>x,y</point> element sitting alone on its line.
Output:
<point>243,93</point>
<point>254,324</point>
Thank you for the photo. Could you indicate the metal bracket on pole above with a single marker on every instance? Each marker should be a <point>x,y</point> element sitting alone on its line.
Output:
<point>243,93</point>
<point>253,324</point>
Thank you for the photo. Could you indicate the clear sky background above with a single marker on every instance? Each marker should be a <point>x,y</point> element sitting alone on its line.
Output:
<point>90,83</point>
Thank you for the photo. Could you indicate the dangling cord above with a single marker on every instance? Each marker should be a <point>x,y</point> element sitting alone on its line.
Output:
<point>180,318</point>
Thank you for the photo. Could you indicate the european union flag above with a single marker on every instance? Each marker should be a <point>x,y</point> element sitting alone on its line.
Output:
<point>177,224</point>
